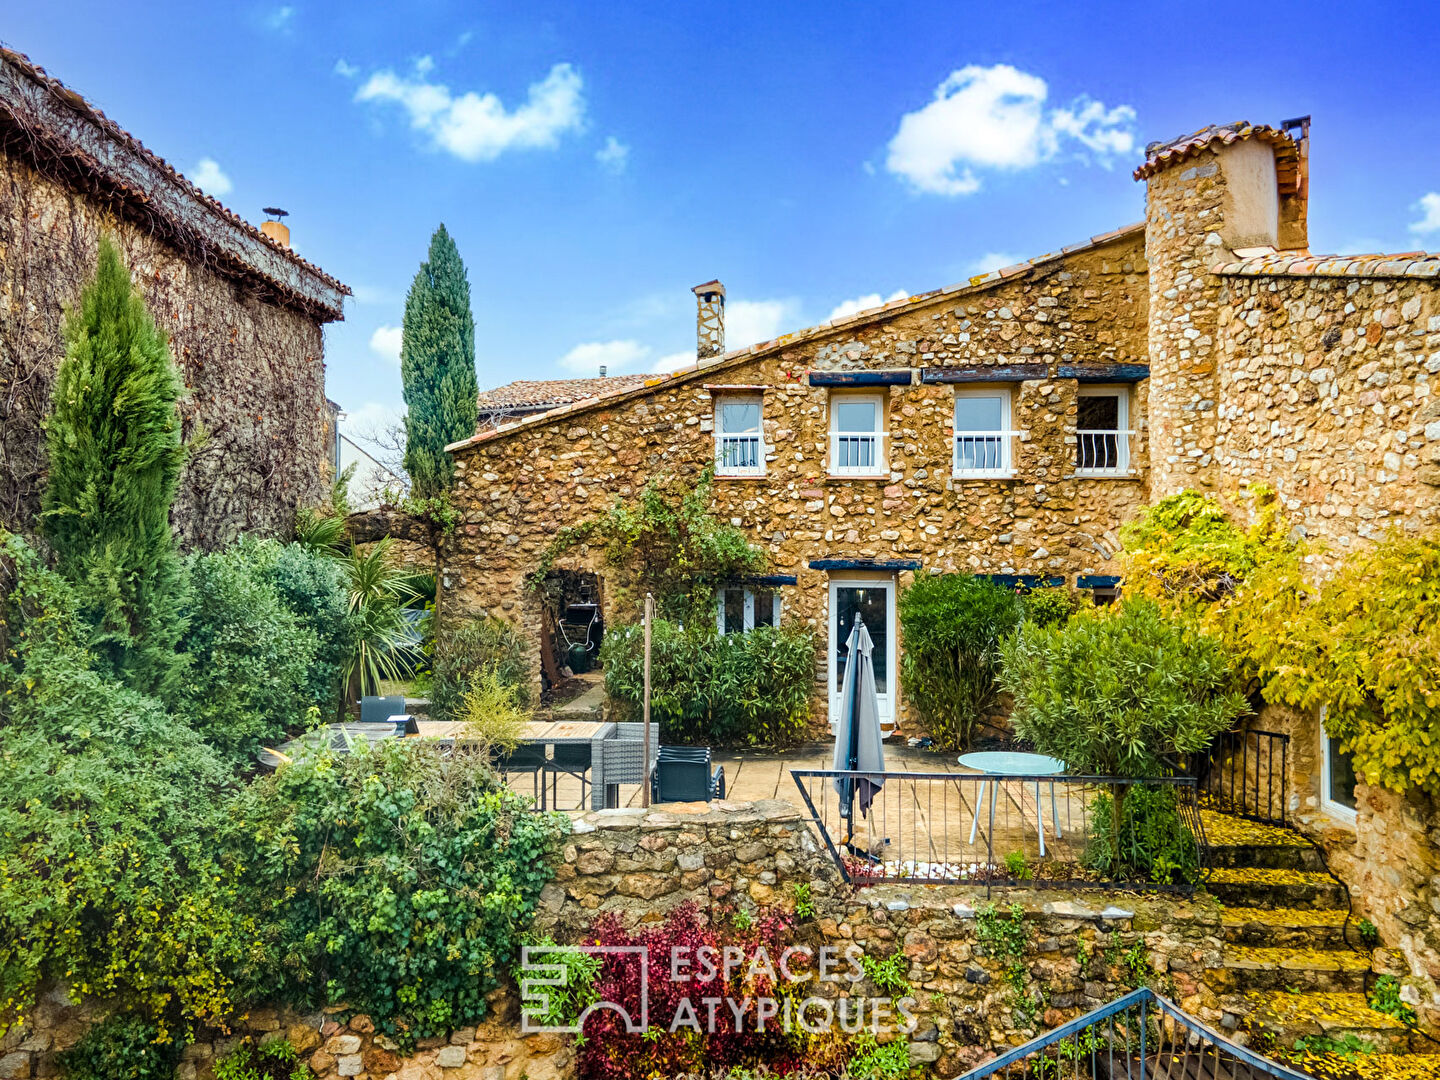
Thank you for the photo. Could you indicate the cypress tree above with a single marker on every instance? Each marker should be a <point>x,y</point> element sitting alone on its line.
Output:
<point>115,457</point>
<point>437,366</point>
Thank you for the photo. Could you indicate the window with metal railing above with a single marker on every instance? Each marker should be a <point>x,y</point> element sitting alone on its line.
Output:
<point>857,446</point>
<point>982,433</point>
<point>1102,435</point>
<point>739,442</point>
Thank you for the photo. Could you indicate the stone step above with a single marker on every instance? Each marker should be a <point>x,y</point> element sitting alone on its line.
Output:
<point>1282,1018</point>
<point>1266,857</point>
<point>1266,888</point>
<point>1286,926</point>
<point>1288,968</point>
<point>1415,1066</point>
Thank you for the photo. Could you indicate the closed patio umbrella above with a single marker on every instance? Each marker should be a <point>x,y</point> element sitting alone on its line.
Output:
<point>859,745</point>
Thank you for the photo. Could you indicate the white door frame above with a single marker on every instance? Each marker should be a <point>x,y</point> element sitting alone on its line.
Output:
<point>1336,810</point>
<point>870,580</point>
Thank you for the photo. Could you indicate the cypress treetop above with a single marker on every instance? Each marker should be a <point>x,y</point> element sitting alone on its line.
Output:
<point>437,366</point>
<point>115,458</point>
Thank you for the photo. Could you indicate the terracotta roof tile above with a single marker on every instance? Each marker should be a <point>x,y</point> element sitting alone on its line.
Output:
<point>1161,155</point>
<point>1290,264</point>
<point>76,103</point>
<point>526,393</point>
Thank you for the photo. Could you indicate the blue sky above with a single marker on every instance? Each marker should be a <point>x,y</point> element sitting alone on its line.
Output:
<point>594,161</point>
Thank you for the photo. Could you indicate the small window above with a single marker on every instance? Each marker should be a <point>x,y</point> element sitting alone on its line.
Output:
<point>739,444</point>
<point>1102,438</point>
<point>741,607</point>
<point>982,433</point>
<point>857,431</point>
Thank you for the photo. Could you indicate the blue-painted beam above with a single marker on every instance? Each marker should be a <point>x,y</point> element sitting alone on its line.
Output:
<point>861,378</point>
<point>771,579</point>
<point>1097,581</point>
<point>1104,372</point>
<point>1028,581</point>
<point>864,564</point>
<point>985,373</point>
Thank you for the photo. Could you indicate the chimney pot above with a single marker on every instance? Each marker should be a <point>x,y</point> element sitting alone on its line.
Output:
<point>274,228</point>
<point>709,320</point>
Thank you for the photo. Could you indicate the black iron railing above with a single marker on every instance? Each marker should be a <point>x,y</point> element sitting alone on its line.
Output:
<point>1245,774</point>
<point>1008,830</point>
<point>1141,1036</point>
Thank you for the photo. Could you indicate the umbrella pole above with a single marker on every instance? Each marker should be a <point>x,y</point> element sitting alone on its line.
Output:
<point>852,757</point>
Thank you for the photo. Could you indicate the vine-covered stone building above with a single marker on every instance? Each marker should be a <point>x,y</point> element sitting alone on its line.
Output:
<point>244,313</point>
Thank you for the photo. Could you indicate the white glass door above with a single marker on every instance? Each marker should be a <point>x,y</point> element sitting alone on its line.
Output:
<point>873,599</point>
<point>1337,777</point>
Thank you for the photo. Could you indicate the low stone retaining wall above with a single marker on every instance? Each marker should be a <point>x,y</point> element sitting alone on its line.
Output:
<point>639,865</point>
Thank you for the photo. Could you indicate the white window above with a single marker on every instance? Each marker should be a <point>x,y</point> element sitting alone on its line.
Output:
<point>739,445</point>
<point>982,432</point>
<point>857,433</point>
<point>1102,438</point>
<point>739,608</point>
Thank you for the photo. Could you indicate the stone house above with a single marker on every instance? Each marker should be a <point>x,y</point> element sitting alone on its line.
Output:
<point>244,313</point>
<point>1009,424</point>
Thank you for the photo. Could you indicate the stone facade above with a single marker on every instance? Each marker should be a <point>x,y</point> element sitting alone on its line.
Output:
<point>1026,330</point>
<point>244,315</point>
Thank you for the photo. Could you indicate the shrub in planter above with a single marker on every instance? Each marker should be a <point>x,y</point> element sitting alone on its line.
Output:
<point>952,625</point>
<point>395,880</point>
<point>722,689</point>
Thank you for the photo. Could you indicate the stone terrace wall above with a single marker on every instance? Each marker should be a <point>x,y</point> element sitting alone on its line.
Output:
<point>253,372</point>
<point>639,865</point>
<point>514,491</point>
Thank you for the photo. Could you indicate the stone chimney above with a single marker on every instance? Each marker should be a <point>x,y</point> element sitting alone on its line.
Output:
<point>275,228</point>
<point>709,320</point>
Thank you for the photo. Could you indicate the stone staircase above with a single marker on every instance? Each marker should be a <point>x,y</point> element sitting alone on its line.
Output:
<point>1286,971</point>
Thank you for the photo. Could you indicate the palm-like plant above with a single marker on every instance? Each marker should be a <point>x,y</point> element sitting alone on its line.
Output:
<point>385,642</point>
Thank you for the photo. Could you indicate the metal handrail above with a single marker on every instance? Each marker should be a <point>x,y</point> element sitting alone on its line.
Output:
<point>985,438</point>
<point>753,446</point>
<point>874,438</point>
<point>1095,438</point>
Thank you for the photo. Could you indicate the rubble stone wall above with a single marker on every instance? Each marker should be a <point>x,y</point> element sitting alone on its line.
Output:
<point>254,375</point>
<point>639,865</point>
<point>515,490</point>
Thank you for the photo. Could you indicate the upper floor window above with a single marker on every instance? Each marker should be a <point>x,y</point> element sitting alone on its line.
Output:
<point>857,433</point>
<point>739,445</point>
<point>741,608</point>
<point>1102,435</point>
<point>982,432</point>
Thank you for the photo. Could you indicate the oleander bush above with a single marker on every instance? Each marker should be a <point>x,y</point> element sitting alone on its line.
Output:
<point>396,880</point>
<point>952,625</point>
<point>470,651</point>
<point>750,689</point>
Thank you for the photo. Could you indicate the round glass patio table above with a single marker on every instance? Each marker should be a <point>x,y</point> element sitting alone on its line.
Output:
<point>1013,764</point>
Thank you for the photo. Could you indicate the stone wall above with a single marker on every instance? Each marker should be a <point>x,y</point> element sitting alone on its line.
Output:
<point>515,488</point>
<point>254,375</point>
<point>639,865</point>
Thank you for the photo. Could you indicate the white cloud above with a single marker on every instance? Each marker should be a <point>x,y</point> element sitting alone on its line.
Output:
<point>613,156</point>
<point>210,178</point>
<point>372,294</point>
<point>280,18</point>
<point>1429,207</point>
<point>863,303</point>
<point>371,417</point>
<point>750,321</point>
<point>385,342</point>
<point>673,362</point>
<point>993,260</point>
<point>995,118</point>
<point>617,356</point>
<point>478,127</point>
<point>345,69</point>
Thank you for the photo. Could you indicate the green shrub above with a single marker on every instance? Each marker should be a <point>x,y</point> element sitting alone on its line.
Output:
<point>121,1047</point>
<point>114,817</point>
<point>492,715</point>
<point>312,586</point>
<point>397,880</point>
<point>471,649</point>
<point>1154,843</point>
<point>750,689</point>
<point>952,625</point>
<point>252,656</point>
<point>273,1060</point>
<point>1048,606</point>
<point>383,647</point>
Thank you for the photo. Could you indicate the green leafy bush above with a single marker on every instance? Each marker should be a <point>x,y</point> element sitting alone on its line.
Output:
<point>121,1047</point>
<point>397,880</point>
<point>312,586</point>
<point>384,646</point>
<point>952,625</point>
<point>114,817</point>
<point>1154,843</point>
<point>273,1060</point>
<point>473,648</point>
<point>750,689</point>
<point>252,656</point>
<point>1050,605</point>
